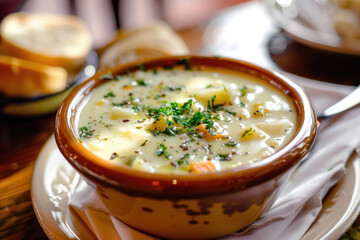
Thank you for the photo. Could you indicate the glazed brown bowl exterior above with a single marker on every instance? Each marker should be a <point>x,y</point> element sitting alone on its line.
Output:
<point>191,206</point>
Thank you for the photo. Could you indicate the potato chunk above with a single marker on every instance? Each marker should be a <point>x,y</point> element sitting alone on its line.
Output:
<point>278,128</point>
<point>251,132</point>
<point>118,112</point>
<point>215,95</point>
<point>160,124</point>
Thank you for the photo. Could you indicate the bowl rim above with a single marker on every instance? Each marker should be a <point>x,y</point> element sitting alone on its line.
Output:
<point>136,182</point>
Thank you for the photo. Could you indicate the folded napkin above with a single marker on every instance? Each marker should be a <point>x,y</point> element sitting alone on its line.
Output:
<point>301,198</point>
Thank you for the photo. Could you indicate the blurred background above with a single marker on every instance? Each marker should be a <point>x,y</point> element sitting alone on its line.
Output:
<point>105,16</point>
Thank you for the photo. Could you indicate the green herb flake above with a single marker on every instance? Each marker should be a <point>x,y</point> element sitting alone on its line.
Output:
<point>161,151</point>
<point>144,143</point>
<point>230,112</point>
<point>107,76</point>
<point>109,94</point>
<point>230,144</point>
<point>248,132</point>
<point>85,132</point>
<point>137,108</point>
<point>223,157</point>
<point>243,91</point>
<point>174,88</point>
<point>141,82</point>
<point>115,104</point>
<point>185,156</point>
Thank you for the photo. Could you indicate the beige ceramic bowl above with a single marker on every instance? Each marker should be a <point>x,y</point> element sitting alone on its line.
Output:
<point>193,206</point>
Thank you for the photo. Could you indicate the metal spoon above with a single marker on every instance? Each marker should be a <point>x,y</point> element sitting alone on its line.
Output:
<point>344,104</point>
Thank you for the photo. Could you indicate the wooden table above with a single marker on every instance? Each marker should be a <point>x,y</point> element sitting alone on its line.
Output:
<point>21,139</point>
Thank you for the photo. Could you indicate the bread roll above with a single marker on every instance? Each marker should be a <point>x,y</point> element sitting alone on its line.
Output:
<point>56,40</point>
<point>154,40</point>
<point>22,78</point>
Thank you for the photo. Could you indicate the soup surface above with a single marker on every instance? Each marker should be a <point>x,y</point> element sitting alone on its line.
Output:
<point>185,121</point>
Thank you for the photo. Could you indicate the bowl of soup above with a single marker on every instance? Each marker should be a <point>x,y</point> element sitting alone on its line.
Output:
<point>186,147</point>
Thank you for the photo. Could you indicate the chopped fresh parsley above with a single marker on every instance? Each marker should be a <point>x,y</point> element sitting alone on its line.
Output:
<point>223,157</point>
<point>182,119</point>
<point>109,94</point>
<point>242,104</point>
<point>161,151</point>
<point>186,155</point>
<point>107,76</point>
<point>243,91</point>
<point>230,144</point>
<point>137,107</point>
<point>141,82</point>
<point>248,132</point>
<point>144,143</point>
<point>115,104</point>
<point>85,132</point>
<point>174,88</point>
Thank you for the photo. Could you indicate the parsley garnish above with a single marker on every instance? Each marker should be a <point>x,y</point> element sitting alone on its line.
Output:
<point>172,88</point>
<point>243,91</point>
<point>144,143</point>
<point>230,144</point>
<point>109,94</point>
<point>119,104</point>
<point>181,119</point>
<point>141,82</point>
<point>107,76</point>
<point>223,157</point>
<point>248,132</point>
<point>137,108</point>
<point>162,151</point>
<point>84,132</point>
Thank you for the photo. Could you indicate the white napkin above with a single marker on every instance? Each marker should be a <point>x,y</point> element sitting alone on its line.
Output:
<point>297,205</point>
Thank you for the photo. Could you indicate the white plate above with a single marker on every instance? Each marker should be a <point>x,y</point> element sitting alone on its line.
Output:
<point>54,182</point>
<point>310,25</point>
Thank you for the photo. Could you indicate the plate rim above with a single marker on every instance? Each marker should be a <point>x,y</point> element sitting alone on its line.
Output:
<point>53,231</point>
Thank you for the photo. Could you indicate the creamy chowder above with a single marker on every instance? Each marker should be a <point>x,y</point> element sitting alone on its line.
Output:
<point>185,121</point>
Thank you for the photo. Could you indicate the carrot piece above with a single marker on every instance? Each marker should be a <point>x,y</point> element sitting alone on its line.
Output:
<point>127,87</point>
<point>202,129</point>
<point>201,167</point>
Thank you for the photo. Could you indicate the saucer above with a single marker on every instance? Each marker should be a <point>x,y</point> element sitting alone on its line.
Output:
<point>54,182</point>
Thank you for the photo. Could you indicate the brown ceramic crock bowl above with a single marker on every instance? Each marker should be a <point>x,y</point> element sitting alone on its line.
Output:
<point>192,206</point>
